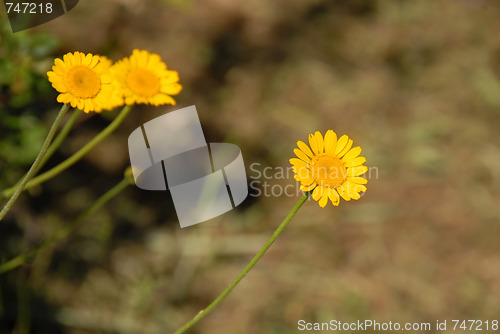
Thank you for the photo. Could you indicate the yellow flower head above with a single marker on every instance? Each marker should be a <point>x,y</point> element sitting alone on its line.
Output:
<point>84,81</point>
<point>144,78</point>
<point>332,168</point>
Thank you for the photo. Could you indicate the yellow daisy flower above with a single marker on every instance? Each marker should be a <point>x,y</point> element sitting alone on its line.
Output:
<point>84,81</point>
<point>144,78</point>
<point>116,98</point>
<point>331,167</point>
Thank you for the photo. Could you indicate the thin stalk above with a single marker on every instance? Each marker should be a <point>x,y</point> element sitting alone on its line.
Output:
<point>62,233</point>
<point>16,191</point>
<point>249,266</point>
<point>60,137</point>
<point>23,306</point>
<point>78,155</point>
<point>56,142</point>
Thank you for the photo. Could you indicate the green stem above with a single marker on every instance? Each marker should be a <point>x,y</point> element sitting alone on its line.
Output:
<point>60,137</point>
<point>249,266</point>
<point>19,188</point>
<point>54,146</point>
<point>78,155</point>
<point>23,307</point>
<point>62,233</point>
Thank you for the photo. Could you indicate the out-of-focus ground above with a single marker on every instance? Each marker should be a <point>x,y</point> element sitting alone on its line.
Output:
<point>415,83</point>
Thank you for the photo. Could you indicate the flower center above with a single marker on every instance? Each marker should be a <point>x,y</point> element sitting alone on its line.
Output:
<point>328,170</point>
<point>83,82</point>
<point>143,82</point>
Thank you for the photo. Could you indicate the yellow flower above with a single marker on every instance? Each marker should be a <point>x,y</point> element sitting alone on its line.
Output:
<point>84,81</point>
<point>332,168</point>
<point>144,78</point>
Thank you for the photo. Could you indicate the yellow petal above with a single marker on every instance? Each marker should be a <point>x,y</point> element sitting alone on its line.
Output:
<point>301,155</point>
<point>87,59</point>
<point>314,144</point>
<point>359,188</point>
<point>357,180</point>
<point>299,163</point>
<point>346,149</point>
<point>94,61</point>
<point>356,171</point>
<point>68,59</point>
<point>354,195</point>
<point>59,63</point>
<point>330,142</point>
<point>302,174</point>
<point>352,154</point>
<point>305,148</point>
<point>303,171</point>
<point>171,76</point>
<point>81,105</point>
<point>317,193</point>
<point>80,56</point>
<point>86,105</point>
<point>343,193</point>
<point>341,143</point>
<point>353,189</point>
<point>334,196</point>
<point>324,199</point>
<point>355,162</point>
<point>319,140</point>
<point>160,99</point>
<point>306,181</point>
<point>64,98</point>
<point>59,70</point>
<point>172,89</point>
<point>308,188</point>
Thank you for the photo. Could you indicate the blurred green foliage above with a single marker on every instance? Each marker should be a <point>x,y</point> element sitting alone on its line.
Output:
<point>25,96</point>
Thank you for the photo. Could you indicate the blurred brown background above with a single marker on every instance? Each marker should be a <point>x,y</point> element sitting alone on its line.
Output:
<point>415,83</point>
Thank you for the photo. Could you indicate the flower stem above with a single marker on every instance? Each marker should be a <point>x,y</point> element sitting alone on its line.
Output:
<point>55,143</point>
<point>60,137</point>
<point>62,233</point>
<point>20,187</point>
<point>249,266</point>
<point>78,155</point>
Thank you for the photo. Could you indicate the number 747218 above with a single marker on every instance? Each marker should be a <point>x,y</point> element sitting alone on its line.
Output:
<point>477,325</point>
<point>28,7</point>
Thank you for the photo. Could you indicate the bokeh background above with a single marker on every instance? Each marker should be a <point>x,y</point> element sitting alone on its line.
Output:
<point>415,83</point>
